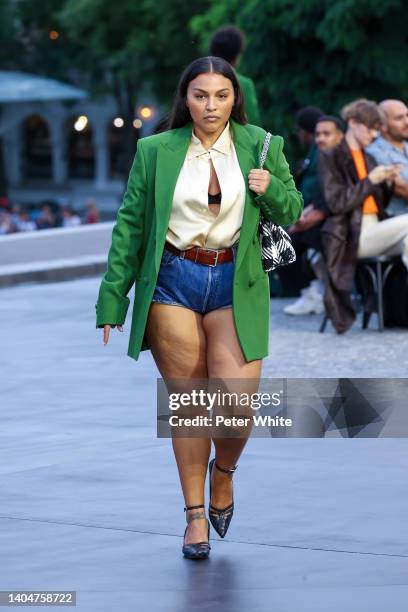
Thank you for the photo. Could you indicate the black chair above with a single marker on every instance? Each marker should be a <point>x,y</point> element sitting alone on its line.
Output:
<point>371,276</point>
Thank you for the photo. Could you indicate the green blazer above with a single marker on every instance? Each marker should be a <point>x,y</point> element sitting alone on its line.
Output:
<point>139,234</point>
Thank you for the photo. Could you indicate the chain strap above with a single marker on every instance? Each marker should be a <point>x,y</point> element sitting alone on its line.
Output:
<point>265,148</point>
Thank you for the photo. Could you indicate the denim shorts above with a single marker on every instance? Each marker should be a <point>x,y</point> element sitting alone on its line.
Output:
<point>203,288</point>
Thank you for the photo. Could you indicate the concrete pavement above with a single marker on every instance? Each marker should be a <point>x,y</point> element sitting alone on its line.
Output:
<point>90,498</point>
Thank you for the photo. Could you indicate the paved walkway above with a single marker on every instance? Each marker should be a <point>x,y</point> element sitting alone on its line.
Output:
<point>90,498</point>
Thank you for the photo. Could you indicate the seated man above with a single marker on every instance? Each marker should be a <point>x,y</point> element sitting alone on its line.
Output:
<point>305,234</point>
<point>357,191</point>
<point>391,147</point>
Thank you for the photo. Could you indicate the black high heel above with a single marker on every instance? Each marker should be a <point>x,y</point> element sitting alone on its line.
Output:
<point>220,517</point>
<point>197,550</point>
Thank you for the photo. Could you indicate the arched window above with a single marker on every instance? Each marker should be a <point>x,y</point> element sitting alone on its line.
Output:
<point>36,153</point>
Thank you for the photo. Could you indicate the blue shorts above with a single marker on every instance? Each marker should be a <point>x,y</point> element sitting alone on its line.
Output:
<point>183,282</point>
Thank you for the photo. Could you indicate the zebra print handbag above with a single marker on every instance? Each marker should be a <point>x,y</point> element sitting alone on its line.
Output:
<point>276,246</point>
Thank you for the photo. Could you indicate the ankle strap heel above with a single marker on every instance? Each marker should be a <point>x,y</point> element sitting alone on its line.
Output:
<point>193,507</point>
<point>220,517</point>
<point>195,515</point>
<point>227,471</point>
<point>198,550</point>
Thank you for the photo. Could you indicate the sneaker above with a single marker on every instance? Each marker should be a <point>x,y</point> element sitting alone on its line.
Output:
<point>316,288</point>
<point>308,303</point>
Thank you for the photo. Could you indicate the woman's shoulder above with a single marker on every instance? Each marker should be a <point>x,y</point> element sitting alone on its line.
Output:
<point>254,130</point>
<point>153,140</point>
<point>258,134</point>
<point>168,136</point>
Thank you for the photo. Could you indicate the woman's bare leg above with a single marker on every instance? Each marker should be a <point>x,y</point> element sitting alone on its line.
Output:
<point>178,343</point>
<point>226,360</point>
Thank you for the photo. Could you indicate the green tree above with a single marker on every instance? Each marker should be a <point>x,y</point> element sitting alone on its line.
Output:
<point>45,47</point>
<point>316,51</point>
<point>137,46</point>
<point>125,49</point>
<point>8,47</point>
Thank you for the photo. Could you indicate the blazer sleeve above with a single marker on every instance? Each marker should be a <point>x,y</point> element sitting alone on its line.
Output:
<point>341,196</point>
<point>123,257</point>
<point>281,203</point>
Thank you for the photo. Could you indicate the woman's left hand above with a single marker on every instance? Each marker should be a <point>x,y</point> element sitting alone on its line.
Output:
<point>258,180</point>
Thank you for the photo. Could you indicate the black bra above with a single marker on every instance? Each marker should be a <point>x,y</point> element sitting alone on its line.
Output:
<point>214,198</point>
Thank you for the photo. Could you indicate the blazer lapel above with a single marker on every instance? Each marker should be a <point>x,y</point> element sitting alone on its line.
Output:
<point>244,148</point>
<point>170,159</point>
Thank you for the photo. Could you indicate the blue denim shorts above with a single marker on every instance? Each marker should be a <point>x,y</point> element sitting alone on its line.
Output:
<point>203,288</point>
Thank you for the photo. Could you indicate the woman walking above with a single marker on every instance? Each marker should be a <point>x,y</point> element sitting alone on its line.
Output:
<point>187,234</point>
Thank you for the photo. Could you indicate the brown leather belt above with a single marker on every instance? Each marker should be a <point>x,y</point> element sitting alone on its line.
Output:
<point>208,257</point>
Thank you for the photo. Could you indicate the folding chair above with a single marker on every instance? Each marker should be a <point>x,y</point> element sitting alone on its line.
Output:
<point>371,275</point>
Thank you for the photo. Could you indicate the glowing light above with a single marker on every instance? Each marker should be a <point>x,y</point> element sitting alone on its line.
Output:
<point>118,122</point>
<point>53,35</point>
<point>137,124</point>
<point>81,123</point>
<point>146,112</point>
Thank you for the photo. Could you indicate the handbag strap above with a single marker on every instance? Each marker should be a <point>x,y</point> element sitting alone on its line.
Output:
<point>265,148</point>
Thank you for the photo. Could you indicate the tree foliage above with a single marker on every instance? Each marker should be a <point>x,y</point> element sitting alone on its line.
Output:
<point>38,52</point>
<point>322,52</point>
<point>144,42</point>
<point>317,51</point>
<point>8,47</point>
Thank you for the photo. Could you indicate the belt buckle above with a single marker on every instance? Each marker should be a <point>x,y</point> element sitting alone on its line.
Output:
<point>217,252</point>
<point>216,259</point>
<point>216,255</point>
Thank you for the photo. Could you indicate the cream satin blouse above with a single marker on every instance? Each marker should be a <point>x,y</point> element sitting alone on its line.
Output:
<point>191,221</point>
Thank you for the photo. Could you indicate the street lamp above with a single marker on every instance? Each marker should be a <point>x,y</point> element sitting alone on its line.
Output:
<point>146,112</point>
<point>81,123</point>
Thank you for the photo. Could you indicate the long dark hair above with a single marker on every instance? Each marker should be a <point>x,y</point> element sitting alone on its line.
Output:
<point>180,114</point>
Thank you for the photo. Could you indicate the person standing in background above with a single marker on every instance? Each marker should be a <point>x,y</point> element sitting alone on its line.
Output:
<point>228,42</point>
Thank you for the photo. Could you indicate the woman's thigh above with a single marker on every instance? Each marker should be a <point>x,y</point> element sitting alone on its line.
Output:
<point>177,341</point>
<point>384,237</point>
<point>228,371</point>
<point>225,358</point>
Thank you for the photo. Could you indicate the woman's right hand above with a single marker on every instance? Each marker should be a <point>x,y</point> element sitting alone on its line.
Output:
<point>106,331</point>
<point>380,174</point>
